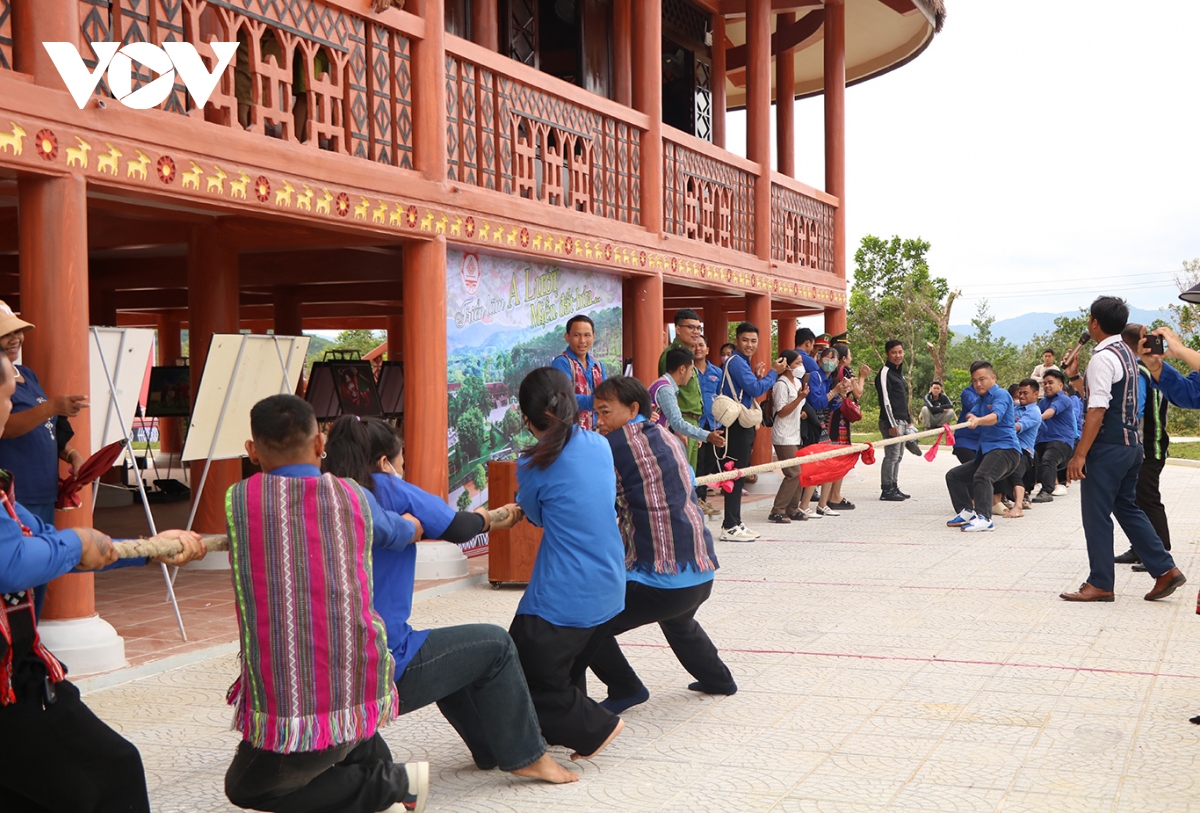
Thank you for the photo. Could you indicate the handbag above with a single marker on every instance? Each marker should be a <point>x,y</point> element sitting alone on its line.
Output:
<point>726,410</point>
<point>850,410</point>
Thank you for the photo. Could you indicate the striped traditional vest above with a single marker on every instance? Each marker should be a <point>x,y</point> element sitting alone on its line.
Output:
<point>316,671</point>
<point>1121,426</point>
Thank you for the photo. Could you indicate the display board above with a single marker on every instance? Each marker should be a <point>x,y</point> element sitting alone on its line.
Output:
<point>240,370</point>
<point>170,394</point>
<point>345,387</point>
<point>391,389</point>
<point>125,352</point>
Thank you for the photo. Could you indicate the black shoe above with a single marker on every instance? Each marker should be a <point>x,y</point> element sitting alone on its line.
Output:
<point>1139,568</point>
<point>1129,557</point>
<point>697,686</point>
<point>1043,497</point>
<point>892,495</point>
<point>799,516</point>
<point>842,505</point>
<point>779,518</point>
<point>903,496</point>
<point>914,447</point>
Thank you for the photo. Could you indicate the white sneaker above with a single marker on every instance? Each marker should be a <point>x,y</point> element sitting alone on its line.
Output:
<point>738,533</point>
<point>978,524</point>
<point>1059,491</point>
<point>1037,489</point>
<point>746,530</point>
<point>826,512</point>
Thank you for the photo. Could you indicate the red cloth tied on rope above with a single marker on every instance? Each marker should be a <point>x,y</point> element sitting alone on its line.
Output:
<point>947,435</point>
<point>727,485</point>
<point>91,469</point>
<point>827,471</point>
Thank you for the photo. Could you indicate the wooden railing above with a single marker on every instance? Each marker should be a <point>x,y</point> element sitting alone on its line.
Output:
<point>708,194</point>
<point>801,224</point>
<point>522,132</point>
<point>306,72</point>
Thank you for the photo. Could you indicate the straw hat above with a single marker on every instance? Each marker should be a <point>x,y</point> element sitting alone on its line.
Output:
<point>9,321</point>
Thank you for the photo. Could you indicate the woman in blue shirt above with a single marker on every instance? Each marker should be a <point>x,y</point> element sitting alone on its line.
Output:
<point>471,670</point>
<point>567,485</point>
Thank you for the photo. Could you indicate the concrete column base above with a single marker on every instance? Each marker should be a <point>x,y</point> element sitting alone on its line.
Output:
<point>213,561</point>
<point>85,645</point>
<point>440,560</point>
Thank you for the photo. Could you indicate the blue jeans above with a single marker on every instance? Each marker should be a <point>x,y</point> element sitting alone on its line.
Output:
<point>1109,490</point>
<point>474,675</point>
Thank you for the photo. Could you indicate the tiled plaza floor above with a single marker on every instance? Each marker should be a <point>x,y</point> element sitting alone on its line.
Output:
<point>885,663</point>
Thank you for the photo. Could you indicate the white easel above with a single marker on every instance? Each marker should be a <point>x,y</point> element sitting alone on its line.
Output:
<point>126,338</point>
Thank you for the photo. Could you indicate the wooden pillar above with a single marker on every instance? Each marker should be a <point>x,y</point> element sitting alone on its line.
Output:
<point>38,21</point>
<point>425,362</point>
<point>758,312</point>
<point>647,307</point>
<point>623,52</point>
<point>212,308</point>
<point>785,103</point>
<point>835,321</point>
<point>716,328</point>
<point>835,126</point>
<point>628,318</point>
<point>53,259</point>
<point>718,80</point>
<point>170,340</point>
<point>647,97</point>
<point>758,118</point>
<point>787,333</point>
<point>485,24</point>
<point>395,337</point>
<point>289,318</point>
<point>430,155</point>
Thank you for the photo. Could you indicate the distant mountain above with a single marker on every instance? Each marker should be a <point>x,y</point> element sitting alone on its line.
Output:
<point>484,336</point>
<point>1020,329</point>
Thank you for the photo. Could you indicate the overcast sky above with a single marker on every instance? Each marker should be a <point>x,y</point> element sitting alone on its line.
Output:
<point>1048,151</point>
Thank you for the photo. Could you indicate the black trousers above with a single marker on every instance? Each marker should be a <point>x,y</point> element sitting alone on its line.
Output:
<point>740,442</point>
<point>554,659</point>
<point>964,455</point>
<point>356,778</point>
<point>674,611</point>
<point>1051,456</point>
<point>975,482</point>
<point>62,758</point>
<point>706,463</point>
<point>1020,474</point>
<point>1149,499</point>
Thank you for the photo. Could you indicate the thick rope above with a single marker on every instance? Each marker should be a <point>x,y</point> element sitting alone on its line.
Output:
<point>160,546</point>
<point>853,448</point>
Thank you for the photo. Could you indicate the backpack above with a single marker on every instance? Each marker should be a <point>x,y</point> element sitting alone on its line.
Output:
<point>768,409</point>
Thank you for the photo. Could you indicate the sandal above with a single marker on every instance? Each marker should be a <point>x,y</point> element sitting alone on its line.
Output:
<point>779,518</point>
<point>842,505</point>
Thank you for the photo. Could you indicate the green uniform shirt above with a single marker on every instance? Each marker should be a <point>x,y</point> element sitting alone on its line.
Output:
<point>690,400</point>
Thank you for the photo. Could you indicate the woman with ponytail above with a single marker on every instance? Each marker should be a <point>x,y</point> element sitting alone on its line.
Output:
<point>566,484</point>
<point>471,670</point>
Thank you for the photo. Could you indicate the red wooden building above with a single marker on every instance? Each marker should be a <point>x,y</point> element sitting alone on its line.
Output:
<point>350,145</point>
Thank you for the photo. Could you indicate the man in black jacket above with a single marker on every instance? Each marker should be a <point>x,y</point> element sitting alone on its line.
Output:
<point>894,419</point>
<point>937,409</point>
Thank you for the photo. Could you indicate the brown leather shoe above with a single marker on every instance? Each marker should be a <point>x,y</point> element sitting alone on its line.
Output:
<point>1166,584</point>
<point>1088,593</point>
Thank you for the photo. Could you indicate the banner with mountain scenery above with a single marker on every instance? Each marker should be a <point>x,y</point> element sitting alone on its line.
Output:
<point>506,317</point>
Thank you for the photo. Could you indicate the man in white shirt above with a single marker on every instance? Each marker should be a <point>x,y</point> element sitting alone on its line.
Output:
<point>1047,364</point>
<point>1108,458</point>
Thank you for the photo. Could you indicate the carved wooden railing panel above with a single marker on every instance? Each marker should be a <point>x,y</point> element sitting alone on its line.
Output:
<point>305,72</point>
<point>506,134</point>
<point>6,35</point>
<point>801,229</point>
<point>706,198</point>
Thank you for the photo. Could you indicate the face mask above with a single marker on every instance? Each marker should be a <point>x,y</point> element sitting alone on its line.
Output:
<point>829,366</point>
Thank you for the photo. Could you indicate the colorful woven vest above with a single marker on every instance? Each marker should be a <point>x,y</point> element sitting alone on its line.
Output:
<point>316,671</point>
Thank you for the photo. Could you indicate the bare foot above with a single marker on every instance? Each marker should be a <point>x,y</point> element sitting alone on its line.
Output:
<point>1013,513</point>
<point>620,727</point>
<point>547,770</point>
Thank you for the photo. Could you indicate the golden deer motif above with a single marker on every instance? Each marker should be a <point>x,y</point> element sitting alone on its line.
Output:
<point>537,242</point>
<point>237,189</point>
<point>78,155</point>
<point>216,183</point>
<point>323,203</point>
<point>110,162</point>
<point>440,226</point>
<point>283,197</point>
<point>427,221</point>
<point>380,212</point>
<point>456,229</point>
<point>192,178</point>
<point>512,236</point>
<point>305,201</point>
<point>13,139</point>
<point>360,209</point>
<point>396,218</point>
<point>483,231</point>
<point>138,168</point>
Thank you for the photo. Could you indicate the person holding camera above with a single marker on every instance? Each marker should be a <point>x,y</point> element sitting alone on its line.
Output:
<point>1108,459</point>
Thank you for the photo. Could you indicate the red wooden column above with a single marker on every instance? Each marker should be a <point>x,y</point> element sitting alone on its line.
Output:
<point>430,155</point>
<point>485,24</point>
<point>758,118</point>
<point>647,307</point>
<point>38,21</point>
<point>787,333</point>
<point>758,312</point>
<point>628,318</point>
<point>718,79</point>
<point>395,337</point>
<point>170,436</point>
<point>53,260</point>
<point>623,52</point>
<point>427,462</point>
<point>289,318</point>
<point>212,308</point>
<point>716,328</point>
<point>647,97</point>
<point>785,103</point>
<point>835,143</point>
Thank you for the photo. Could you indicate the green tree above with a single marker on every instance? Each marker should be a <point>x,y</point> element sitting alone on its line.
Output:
<point>1187,315</point>
<point>512,424</point>
<point>472,429</point>
<point>1006,359</point>
<point>479,477</point>
<point>364,341</point>
<point>464,500</point>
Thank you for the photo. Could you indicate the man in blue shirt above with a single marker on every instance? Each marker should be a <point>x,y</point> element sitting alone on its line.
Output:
<point>966,441</point>
<point>1028,421</point>
<point>974,483</point>
<point>1056,438</point>
<point>743,384</point>
<point>708,376</point>
<point>580,365</point>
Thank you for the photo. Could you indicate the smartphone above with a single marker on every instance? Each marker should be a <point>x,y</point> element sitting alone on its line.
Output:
<point>804,379</point>
<point>1155,344</point>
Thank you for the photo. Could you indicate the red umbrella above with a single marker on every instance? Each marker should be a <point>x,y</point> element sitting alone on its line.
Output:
<point>91,469</point>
